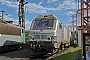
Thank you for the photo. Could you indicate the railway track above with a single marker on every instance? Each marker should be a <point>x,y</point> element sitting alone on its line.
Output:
<point>24,54</point>
<point>46,56</point>
<point>42,57</point>
<point>21,54</point>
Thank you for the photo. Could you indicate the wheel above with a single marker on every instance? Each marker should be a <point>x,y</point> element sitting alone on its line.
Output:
<point>55,51</point>
<point>65,46</point>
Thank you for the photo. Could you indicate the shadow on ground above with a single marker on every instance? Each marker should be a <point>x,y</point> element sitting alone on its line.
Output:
<point>17,54</point>
<point>74,45</point>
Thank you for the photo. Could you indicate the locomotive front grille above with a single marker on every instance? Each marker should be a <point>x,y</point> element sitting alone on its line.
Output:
<point>43,36</point>
<point>40,36</point>
<point>37,36</point>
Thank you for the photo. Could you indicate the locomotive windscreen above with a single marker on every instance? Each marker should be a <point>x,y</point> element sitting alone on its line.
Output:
<point>43,23</point>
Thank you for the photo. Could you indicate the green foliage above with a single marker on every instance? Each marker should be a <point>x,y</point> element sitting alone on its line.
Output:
<point>70,54</point>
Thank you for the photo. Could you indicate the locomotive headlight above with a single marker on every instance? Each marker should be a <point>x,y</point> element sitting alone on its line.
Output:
<point>30,37</point>
<point>33,38</point>
<point>52,37</point>
<point>48,38</point>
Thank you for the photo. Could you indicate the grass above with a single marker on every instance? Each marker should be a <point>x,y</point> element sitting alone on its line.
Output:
<point>70,54</point>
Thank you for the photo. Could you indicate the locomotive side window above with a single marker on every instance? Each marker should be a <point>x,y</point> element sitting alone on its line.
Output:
<point>60,26</point>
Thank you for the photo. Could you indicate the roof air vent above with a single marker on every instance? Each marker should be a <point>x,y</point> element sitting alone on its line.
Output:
<point>45,16</point>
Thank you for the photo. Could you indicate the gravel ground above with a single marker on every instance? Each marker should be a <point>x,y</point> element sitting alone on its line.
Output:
<point>16,55</point>
<point>79,55</point>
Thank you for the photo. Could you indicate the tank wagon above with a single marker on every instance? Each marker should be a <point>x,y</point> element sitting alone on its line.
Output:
<point>47,33</point>
<point>10,36</point>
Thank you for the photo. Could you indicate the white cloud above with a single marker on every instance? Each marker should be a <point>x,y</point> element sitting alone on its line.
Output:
<point>68,24</point>
<point>8,18</point>
<point>67,5</point>
<point>40,3</point>
<point>38,8</point>
<point>35,8</point>
<point>51,1</point>
<point>27,24</point>
<point>9,3</point>
<point>16,21</point>
<point>62,14</point>
<point>69,13</point>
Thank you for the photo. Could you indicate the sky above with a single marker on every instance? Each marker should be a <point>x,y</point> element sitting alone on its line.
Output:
<point>62,9</point>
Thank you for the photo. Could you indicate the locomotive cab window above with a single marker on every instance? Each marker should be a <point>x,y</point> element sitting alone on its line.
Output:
<point>43,24</point>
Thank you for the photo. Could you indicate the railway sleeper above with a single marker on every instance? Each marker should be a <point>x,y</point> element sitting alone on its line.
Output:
<point>55,50</point>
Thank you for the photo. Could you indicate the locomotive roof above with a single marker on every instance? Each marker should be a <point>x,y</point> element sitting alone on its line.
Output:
<point>51,16</point>
<point>9,24</point>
